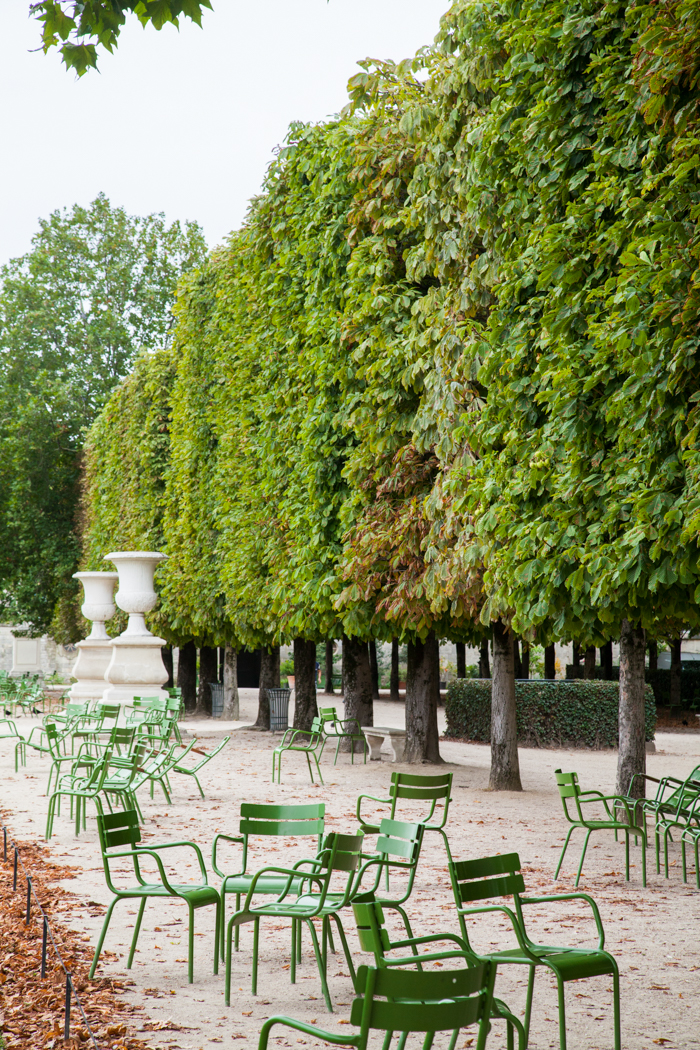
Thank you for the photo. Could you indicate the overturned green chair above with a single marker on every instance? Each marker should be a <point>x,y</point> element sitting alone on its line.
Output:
<point>117,830</point>
<point>571,794</point>
<point>374,938</point>
<point>192,771</point>
<point>406,1001</point>
<point>491,879</point>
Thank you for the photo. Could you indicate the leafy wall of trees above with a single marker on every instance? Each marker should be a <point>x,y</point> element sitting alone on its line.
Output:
<point>446,374</point>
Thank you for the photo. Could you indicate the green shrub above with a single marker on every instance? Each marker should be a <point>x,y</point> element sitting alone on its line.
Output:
<point>559,713</point>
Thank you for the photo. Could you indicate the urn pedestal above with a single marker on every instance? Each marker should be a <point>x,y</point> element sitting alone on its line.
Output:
<point>95,651</point>
<point>136,667</point>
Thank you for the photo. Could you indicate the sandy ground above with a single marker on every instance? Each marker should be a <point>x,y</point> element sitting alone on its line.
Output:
<point>653,932</point>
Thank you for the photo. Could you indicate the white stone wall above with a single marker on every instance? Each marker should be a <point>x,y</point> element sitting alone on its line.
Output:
<point>36,655</point>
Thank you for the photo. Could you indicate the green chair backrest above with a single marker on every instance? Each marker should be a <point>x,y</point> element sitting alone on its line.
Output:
<point>569,788</point>
<point>686,793</point>
<point>263,819</point>
<point>478,880</point>
<point>415,787</point>
<point>423,1000</point>
<point>399,839</point>
<point>341,852</point>
<point>371,932</point>
<point>327,714</point>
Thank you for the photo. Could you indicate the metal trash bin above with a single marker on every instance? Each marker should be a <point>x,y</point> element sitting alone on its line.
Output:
<point>279,709</point>
<point>217,699</point>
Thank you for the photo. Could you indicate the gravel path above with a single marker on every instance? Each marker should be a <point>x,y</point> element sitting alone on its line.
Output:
<point>654,933</point>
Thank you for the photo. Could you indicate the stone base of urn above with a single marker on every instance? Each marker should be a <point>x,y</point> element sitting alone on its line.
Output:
<point>94,656</point>
<point>136,669</point>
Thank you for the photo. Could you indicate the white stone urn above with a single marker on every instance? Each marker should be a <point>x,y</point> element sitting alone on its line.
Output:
<point>95,651</point>
<point>136,667</point>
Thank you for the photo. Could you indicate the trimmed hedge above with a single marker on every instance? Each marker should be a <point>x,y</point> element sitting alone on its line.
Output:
<point>560,713</point>
<point>659,681</point>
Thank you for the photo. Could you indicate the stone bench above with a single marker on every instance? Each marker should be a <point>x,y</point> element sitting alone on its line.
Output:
<point>375,737</point>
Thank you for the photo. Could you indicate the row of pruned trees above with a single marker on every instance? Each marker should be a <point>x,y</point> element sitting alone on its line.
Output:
<point>443,382</point>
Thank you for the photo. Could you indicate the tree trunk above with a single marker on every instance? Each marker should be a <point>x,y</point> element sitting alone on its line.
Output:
<point>606,661</point>
<point>550,662</point>
<point>305,707</point>
<point>231,710</point>
<point>358,686</point>
<point>632,753</point>
<point>525,660</point>
<point>422,696</point>
<point>166,652</point>
<point>505,767</point>
<point>329,668</point>
<point>674,688</point>
<point>207,674</point>
<point>653,656</point>
<point>576,654</point>
<point>187,675</point>
<point>222,663</point>
<point>484,668</point>
<point>269,679</point>
<point>460,649</point>
<point>394,677</point>
<point>517,662</point>
<point>374,671</point>
<point>589,663</point>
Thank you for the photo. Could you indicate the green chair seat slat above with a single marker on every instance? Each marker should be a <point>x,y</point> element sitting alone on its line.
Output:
<point>282,827</point>
<point>502,864</point>
<point>269,812</point>
<point>270,884</point>
<point>481,889</point>
<point>576,965</point>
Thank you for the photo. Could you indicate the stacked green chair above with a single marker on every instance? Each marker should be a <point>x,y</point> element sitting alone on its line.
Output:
<point>571,794</point>
<point>405,1001</point>
<point>117,830</point>
<point>265,821</point>
<point>690,836</point>
<point>340,729</point>
<point>192,771</point>
<point>307,742</point>
<point>670,808</point>
<point>374,938</point>
<point>341,854</point>
<point>493,878</point>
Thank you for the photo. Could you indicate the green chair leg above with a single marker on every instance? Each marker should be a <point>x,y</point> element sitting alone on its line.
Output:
<point>137,930</point>
<point>100,942</point>
<point>561,856</point>
<point>583,854</point>
<point>190,947</point>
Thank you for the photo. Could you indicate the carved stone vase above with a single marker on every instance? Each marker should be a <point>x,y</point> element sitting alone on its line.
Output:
<point>136,667</point>
<point>95,651</point>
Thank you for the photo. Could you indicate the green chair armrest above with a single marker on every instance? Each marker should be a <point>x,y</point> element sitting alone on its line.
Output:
<point>517,929</point>
<point>572,897</point>
<point>291,872</point>
<point>172,845</point>
<point>228,838</point>
<point>309,1029</point>
<point>135,854</point>
<point>370,798</point>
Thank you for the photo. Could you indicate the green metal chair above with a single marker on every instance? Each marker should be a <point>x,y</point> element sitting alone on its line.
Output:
<point>569,790</point>
<point>672,803</point>
<point>8,730</point>
<point>398,848</point>
<point>690,836</point>
<point>263,821</point>
<point>492,878</point>
<point>413,787</point>
<point>374,938</point>
<point>80,790</point>
<point>408,1001</point>
<point>122,829</point>
<point>308,742</point>
<point>192,771</point>
<point>340,853</point>
<point>342,729</point>
<point>45,740</point>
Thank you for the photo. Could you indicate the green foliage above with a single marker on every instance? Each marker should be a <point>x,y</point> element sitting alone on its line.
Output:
<point>578,488</point>
<point>79,27</point>
<point>97,285</point>
<point>550,713</point>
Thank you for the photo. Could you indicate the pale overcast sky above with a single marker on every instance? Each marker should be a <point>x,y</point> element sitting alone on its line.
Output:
<point>182,122</point>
